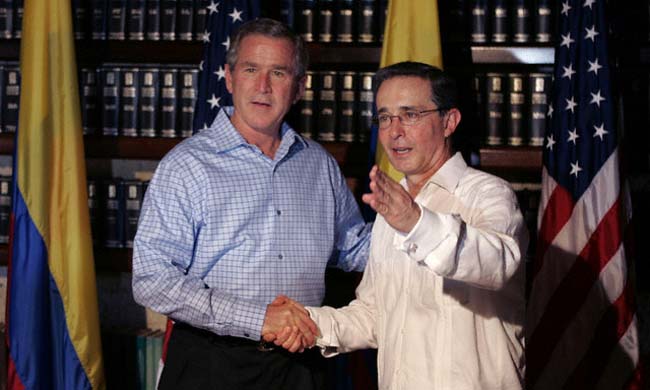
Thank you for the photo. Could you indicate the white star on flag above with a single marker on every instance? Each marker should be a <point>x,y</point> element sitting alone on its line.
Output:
<point>550,111</point>
<point>596,98</point>
<point>213,8</point>
<point>550,142</point>
<point>594,66</point>
<point>589,3</point>
<point>205,36</point>
<point>226,43</point>
<point>575,168</point>
<point>567,40</point>
<point>565,8</point>
<point>568,71</point>
<point>573,136</point>
<point>214,101</point>
<point>600,131</point>
<point>591,33</point>
<point>221,73</point>
<point>235,15</point>
<point>570,104</point>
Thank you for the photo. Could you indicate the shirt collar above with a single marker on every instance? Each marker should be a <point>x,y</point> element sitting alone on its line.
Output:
<point>228,138</point>
<point>450,173</point>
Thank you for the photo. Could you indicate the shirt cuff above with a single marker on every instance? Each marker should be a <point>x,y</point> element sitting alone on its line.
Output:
<point>326,340</point>
<point>248,320</point>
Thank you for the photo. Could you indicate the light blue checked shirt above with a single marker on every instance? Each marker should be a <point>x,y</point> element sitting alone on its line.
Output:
<point>224,229</point>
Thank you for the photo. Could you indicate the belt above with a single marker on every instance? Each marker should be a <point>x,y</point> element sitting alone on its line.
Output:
<point>261,345</point>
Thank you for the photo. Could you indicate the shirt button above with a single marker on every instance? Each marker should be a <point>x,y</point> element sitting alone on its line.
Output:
<point>246,335</point>
<point>279,212</point>
<point>280,257</point>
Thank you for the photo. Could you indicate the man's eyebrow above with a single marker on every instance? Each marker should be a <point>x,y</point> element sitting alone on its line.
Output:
<point>401,109</point>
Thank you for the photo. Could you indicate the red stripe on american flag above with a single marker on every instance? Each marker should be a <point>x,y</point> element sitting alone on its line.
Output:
<point>573,290</point>
<point>13,380</point>
<point>611,328</point>
<point>556,215</point>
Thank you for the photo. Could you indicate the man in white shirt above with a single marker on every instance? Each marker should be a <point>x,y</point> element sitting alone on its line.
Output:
<point>442,297</point>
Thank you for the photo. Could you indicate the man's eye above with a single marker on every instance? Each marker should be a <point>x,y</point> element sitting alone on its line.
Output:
<point>411,115</point>
<point>383,118</point>
<point>249,70</point>
<point>278,73</point>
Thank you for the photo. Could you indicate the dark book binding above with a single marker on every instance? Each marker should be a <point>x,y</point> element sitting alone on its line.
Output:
<point>539,85</point>
<point>305,12</point>
<point>305,108</point>
<point>19,9</point>
<point>479,10</point>
<point>152,20</point>
<point>168,20</point>
<point>326,106</point>
<point>326,11</point>
<point>132,206</point>
<point>190,80</point>
<point>287,14</point>
<point>79,18</point>
<point>185,20</point>
<point>136,13</point>
<point>89,101</point>
<point>522,21</point>
<point>168,102</point>
<point>149,97</point>
<point>113,214</point>
<point>5,208</point>
<point>543,21</point>
<point>495,107</point>
<point>200,18</point>
<point>94,212</point>
<point>346,103</point>
<point>117,20</point>
<point>383,15</point>
<point>500,19</point>
<point>11,100</point>
<point>129,103</point>
<point>516,109</point>
<point>6,19</point>
<point>366,21</point>
<point>3,80</point>
<point>345,21</point>
<point>110,100</point>
<point>365,106</point>
<point>99,19</point>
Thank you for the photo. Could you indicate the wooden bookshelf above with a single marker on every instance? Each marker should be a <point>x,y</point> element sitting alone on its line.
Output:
<point>512,160</point>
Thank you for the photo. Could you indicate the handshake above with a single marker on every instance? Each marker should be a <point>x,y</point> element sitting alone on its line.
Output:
<point>287,324</point>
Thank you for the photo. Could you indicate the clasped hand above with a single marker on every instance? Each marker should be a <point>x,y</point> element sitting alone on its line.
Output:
<point>287,324</point>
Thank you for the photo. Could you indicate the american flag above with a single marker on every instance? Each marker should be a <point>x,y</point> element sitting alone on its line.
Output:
<point>223,18</point>
<point>581,321</point>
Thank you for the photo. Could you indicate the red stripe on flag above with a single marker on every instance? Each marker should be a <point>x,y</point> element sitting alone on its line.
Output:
<point>13,380</point>
<point>611,328</point>
<point>573,290</point>
<point>637,379</point>
<point>168,335</point>
<point>556,215</point>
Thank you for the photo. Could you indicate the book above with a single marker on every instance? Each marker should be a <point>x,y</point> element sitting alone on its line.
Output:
<point>117,20</point>
<point>3,80</point>
<point>11,99</point>
<point>453,20</point>
<point>500,17</point>
<point>539,95</point>
<point>189,87</point>
<point>495,100</point>
<point>5,208</point>
<point>89,101</point>
<point>200,18</point>
<point>168,20</point>
<point>383,15</point>
<point>305,10</point>
<point>516,107</point>
<point>184,20</point>
<point>129,102</point>
<point>152,20</point>
<point>325,20</point>
<point>366,21</point>
<point>326,106</point>
<point>346,103</point>
<point>168,102</point>
<point>132,206</point>
<point>305,108</point>
<point>149,97</point>
<point>479,104</point>
<point>110,100</point>
<point>99,19</point>
<point>80,18</point>
<point>365,106</point>
<point>19,10</point>
<point>479,21</point>
<point>136,13</point>
<point>543,21</point>
<point>522,21</point>
<point>113,214</point>
<point>94,211</point>
<point>345,21</point>
<point>287,15</point>
<point>6,19</point>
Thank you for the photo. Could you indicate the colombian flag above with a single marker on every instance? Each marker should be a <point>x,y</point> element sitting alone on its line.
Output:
<point>412,33</point>
<point>52,319</point>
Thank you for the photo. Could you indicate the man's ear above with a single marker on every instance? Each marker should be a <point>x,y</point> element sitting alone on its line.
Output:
<point>228,79</point>
<point>452,119</point>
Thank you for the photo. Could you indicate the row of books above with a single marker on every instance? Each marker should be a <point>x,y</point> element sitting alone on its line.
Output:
<point>131,357</point>
<point>344,21</point>
<point>513,107</point>
<point>336,106</point>
<point>511,21</point>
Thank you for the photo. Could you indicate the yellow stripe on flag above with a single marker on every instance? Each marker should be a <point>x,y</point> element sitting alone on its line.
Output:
<point>412,33</point>
<point>52,171</point>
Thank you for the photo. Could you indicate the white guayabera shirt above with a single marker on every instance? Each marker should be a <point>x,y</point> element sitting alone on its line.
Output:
<point>444,304</point>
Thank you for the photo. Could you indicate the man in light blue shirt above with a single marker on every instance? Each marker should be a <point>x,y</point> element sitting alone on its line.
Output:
<point>239,213</point>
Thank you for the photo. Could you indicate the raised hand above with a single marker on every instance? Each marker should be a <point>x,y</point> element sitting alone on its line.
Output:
<point>287,324</point>
<point>389,199</point>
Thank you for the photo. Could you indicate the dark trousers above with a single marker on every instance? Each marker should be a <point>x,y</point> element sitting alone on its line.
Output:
<point>198,359</point>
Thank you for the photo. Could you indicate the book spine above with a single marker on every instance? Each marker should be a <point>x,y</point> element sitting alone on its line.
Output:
<point>453,20</point>
<point>521,29</point>
<point>539,86</point>
<point>114,214</point>
<point>99,25</point>
<point>305,10</point>
<point>365,106</point>
<point>325,20</point>
<point>516,108</point>
<point>344,21</point>
<point>478,87</point>
<point>346,104</point>
<point>149,97</point>
<point>185,19</point>
<point>287,12</point>
<point>152,24</point>
<point>479,21</point>
<point>11,100</point>
<point>366,21</point>
<point>117,20</point>
<point>5,208</point>
<point>129,103</point>
<point>79,18</point>
<point>499,21</point>
<point>89,101</point>
<point>133,204</point>
<point>495,107</point>
<point>327,106</point>
<point>6,19</point>
<point>18,22</point>
<point>94,210</point>
<point>190,80</point>
<point>110,100</point>
<point>383,15</point>
<point>3,80</point>
<point>543,21</point>
<point>305,108</point>
<point>200,18</point>
<point>168,102</point>
<point>136,17</point>
<point>168,19</point>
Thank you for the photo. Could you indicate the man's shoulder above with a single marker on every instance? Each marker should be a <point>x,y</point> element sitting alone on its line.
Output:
<point>477,181</point>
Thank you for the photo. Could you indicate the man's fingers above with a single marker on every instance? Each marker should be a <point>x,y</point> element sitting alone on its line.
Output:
<point>282,337</point>
<point>268,337</point>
